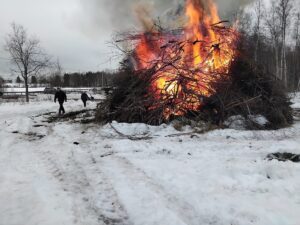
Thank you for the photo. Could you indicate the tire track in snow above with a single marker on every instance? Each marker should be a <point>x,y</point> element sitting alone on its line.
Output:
<point>94,200</point>
<point>121,166</point>
<point>76,186</point>
<point>77,179</point>
<point>109,198</point>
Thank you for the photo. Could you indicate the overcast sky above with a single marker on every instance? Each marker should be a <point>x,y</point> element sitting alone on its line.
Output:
<point>77,32</point>
<point>64,31</point>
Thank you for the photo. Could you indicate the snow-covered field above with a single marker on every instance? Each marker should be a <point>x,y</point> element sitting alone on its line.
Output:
<point>67,173</point>
<point>48,98</point>
<point>19,89</point>
<point>41,89</point>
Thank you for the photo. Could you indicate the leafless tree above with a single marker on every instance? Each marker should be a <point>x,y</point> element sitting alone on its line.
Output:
<point>297,43</point>
<point>259,12</point>
<point>297,30</point>
<point>284,9</point>
<point>273,27</point>
<point>58,69</point>
<point>56,74</point>
<point>244,21</point>
<point>26,54</point>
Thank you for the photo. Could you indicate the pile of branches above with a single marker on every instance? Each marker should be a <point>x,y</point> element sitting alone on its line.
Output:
<point>252,91</point>
<point>130,101</point>
<point>245,90</point>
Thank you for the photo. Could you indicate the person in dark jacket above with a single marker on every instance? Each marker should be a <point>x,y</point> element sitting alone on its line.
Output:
<point>84,98</point>
<point>61,96</point>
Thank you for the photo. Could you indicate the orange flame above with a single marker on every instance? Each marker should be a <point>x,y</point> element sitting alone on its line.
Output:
<point>188,61</point>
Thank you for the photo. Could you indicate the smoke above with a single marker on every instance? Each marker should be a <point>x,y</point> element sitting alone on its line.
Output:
<point>121,15</point>
<point>229,7</point>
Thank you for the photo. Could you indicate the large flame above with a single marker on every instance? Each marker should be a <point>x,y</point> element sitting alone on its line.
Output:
<point>189,61</point>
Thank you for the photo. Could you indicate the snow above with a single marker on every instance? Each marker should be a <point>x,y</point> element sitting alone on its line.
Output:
<point>41,89</point>
<point>17,89</point>
<point>259,119</point>
<point>236,122</point>
<point>143,175</point>
<point>239,122</point>
<point>38,98</point>
<point>296,100</point>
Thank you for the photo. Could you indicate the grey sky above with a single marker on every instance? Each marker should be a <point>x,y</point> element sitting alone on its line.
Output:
<point>62,27</point>
<point>76,31</point>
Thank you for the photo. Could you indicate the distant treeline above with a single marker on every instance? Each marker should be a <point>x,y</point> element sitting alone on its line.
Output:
<point>89,79</point>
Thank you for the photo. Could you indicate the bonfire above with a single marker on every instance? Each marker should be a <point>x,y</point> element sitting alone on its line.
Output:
<point>179,72</point>
<point>187,62</point>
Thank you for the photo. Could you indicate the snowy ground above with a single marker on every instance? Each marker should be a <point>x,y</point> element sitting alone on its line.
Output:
<point>67,173</point>
<point>48,97</point>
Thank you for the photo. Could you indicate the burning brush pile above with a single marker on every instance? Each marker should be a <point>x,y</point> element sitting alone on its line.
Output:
<point>197,72</point>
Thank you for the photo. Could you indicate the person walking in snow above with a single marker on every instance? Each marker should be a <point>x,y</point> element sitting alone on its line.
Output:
<point>84,98</point>
<point>61,96</point>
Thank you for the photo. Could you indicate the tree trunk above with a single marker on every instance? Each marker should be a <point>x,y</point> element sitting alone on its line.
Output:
<point>284,64</point>
<point>283,58</point>
<point>277,62</point>
<point>26,89</point>
<point>256,50</point>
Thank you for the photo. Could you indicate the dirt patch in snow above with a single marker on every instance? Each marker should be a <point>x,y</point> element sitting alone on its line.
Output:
<point>283,157</point>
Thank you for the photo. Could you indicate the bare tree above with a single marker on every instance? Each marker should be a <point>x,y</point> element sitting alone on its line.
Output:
<point>58,69</point>
<point>56,74</point>
<point>259,11</point>
<point>26,54</point>
<point>284,9</point>
<point>244,21</point>
<point>273,26</point>
<point>297,45</point>
<point>297,30</point>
